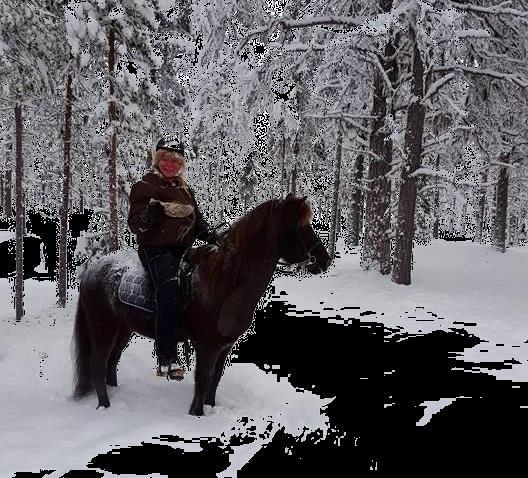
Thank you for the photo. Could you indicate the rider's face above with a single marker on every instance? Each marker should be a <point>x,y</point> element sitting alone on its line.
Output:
<point>170,164</point>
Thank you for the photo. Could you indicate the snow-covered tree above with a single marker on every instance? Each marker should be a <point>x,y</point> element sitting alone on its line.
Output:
<point>30,56</point>
<point>126,29</point>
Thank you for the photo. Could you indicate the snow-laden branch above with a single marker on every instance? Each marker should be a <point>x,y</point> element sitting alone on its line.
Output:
<point>388,84</point>
<point>298,46</point>
<point>495,162</point>
<point>513,78</point>
<point>287,24</point>
<point>495,10</point>
<point>366,152</point>
<point>340,114</point>
<point>431,186</point>
<point>436,173</point>
<point>357,139</point>
<point>472,33</point>
<point>433,89</point>
<point>345,116</point>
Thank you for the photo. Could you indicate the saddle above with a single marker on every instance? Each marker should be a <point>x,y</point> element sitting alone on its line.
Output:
<point>135,287</point>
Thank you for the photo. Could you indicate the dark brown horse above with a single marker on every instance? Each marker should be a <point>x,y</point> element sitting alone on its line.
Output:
<point>228,283</point>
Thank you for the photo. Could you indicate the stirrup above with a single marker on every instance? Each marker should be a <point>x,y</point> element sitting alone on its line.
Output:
<point>173,371</point>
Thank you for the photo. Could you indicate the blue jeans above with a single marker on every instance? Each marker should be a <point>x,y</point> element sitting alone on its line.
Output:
<point>162,265</point>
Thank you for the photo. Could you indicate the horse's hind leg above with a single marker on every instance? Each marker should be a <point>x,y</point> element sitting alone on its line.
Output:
<point>121,342</point>
<point>210,397</point>
<point>103,341</point>
<point>99,366</point>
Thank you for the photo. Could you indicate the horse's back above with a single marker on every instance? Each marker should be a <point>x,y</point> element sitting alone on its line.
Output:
<point>105,272</point>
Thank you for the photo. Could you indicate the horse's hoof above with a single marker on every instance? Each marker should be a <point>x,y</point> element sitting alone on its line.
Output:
<point>104,405</point>
<point>196,411</point>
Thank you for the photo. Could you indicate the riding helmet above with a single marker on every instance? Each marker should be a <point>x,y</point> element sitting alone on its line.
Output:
<point>171,145</point>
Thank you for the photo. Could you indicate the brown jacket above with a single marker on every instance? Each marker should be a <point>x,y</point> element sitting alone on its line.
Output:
<point>182,221</point>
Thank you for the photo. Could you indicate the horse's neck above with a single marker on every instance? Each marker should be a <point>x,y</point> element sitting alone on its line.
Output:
<point>256,270</point>
<point>259,274</point>
<point>237,308</point>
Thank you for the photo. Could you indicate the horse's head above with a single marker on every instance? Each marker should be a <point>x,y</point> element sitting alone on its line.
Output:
<point>298,243</point>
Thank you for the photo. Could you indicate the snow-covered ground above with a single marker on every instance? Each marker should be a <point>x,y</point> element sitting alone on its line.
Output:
<point>454,285</point>
<point>42,428</point>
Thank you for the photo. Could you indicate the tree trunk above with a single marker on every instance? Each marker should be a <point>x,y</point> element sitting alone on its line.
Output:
<point>513,237</point>
<point>283,167</point>
<point>221,192</point>
<point>293,187</point>
<point>436,224</point>
<point>411,162</point>
<point>335,200</point>
<point>63,239</point>
<point>376,241</point>
<point>452,217</point>
<point>338,222</point>
<point>112,158</point>
<point>8,205</point>
<point>356,204</point>
<point>479,233</point>
<point>501,210</point>
<point>463,225</point>
<point>19,222</point>
<point>7,197</point>
<point>2,186</point>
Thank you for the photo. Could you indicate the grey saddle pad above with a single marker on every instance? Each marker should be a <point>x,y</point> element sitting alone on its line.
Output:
<point>135,289</point>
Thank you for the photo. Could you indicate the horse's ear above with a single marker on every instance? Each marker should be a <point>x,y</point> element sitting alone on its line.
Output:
<point>305,211</point>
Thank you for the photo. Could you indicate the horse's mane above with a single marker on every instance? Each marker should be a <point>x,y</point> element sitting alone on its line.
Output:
<point>240,247</point>
<point>248,228</point>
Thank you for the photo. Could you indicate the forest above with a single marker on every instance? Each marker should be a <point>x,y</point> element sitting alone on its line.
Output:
<point>403,121</point>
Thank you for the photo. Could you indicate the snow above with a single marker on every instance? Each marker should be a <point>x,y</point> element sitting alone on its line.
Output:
<point>454,285</point>
<point>6,236</point>
<point>165,5</point>
<point>432,407</point>
<point>35,403</point>
<point>458,285</point>
<point>9,235</point>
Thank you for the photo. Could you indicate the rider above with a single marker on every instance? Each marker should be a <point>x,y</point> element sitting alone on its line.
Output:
<point>165,217</point>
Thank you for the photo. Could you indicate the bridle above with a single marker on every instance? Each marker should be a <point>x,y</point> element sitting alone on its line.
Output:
<point>310,258</point>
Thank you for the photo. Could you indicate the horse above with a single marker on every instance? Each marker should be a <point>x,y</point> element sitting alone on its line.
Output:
<point>228,281</point>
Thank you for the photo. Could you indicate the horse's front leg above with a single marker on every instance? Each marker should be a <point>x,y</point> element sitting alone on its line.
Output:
<point>206,359</point>
<point>210,397</point>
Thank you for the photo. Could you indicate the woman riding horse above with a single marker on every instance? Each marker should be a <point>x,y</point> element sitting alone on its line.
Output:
<point>166,219</point>
<point>228,281</point>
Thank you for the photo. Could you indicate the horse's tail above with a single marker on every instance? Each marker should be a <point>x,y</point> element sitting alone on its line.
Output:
<point>81,354</point>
